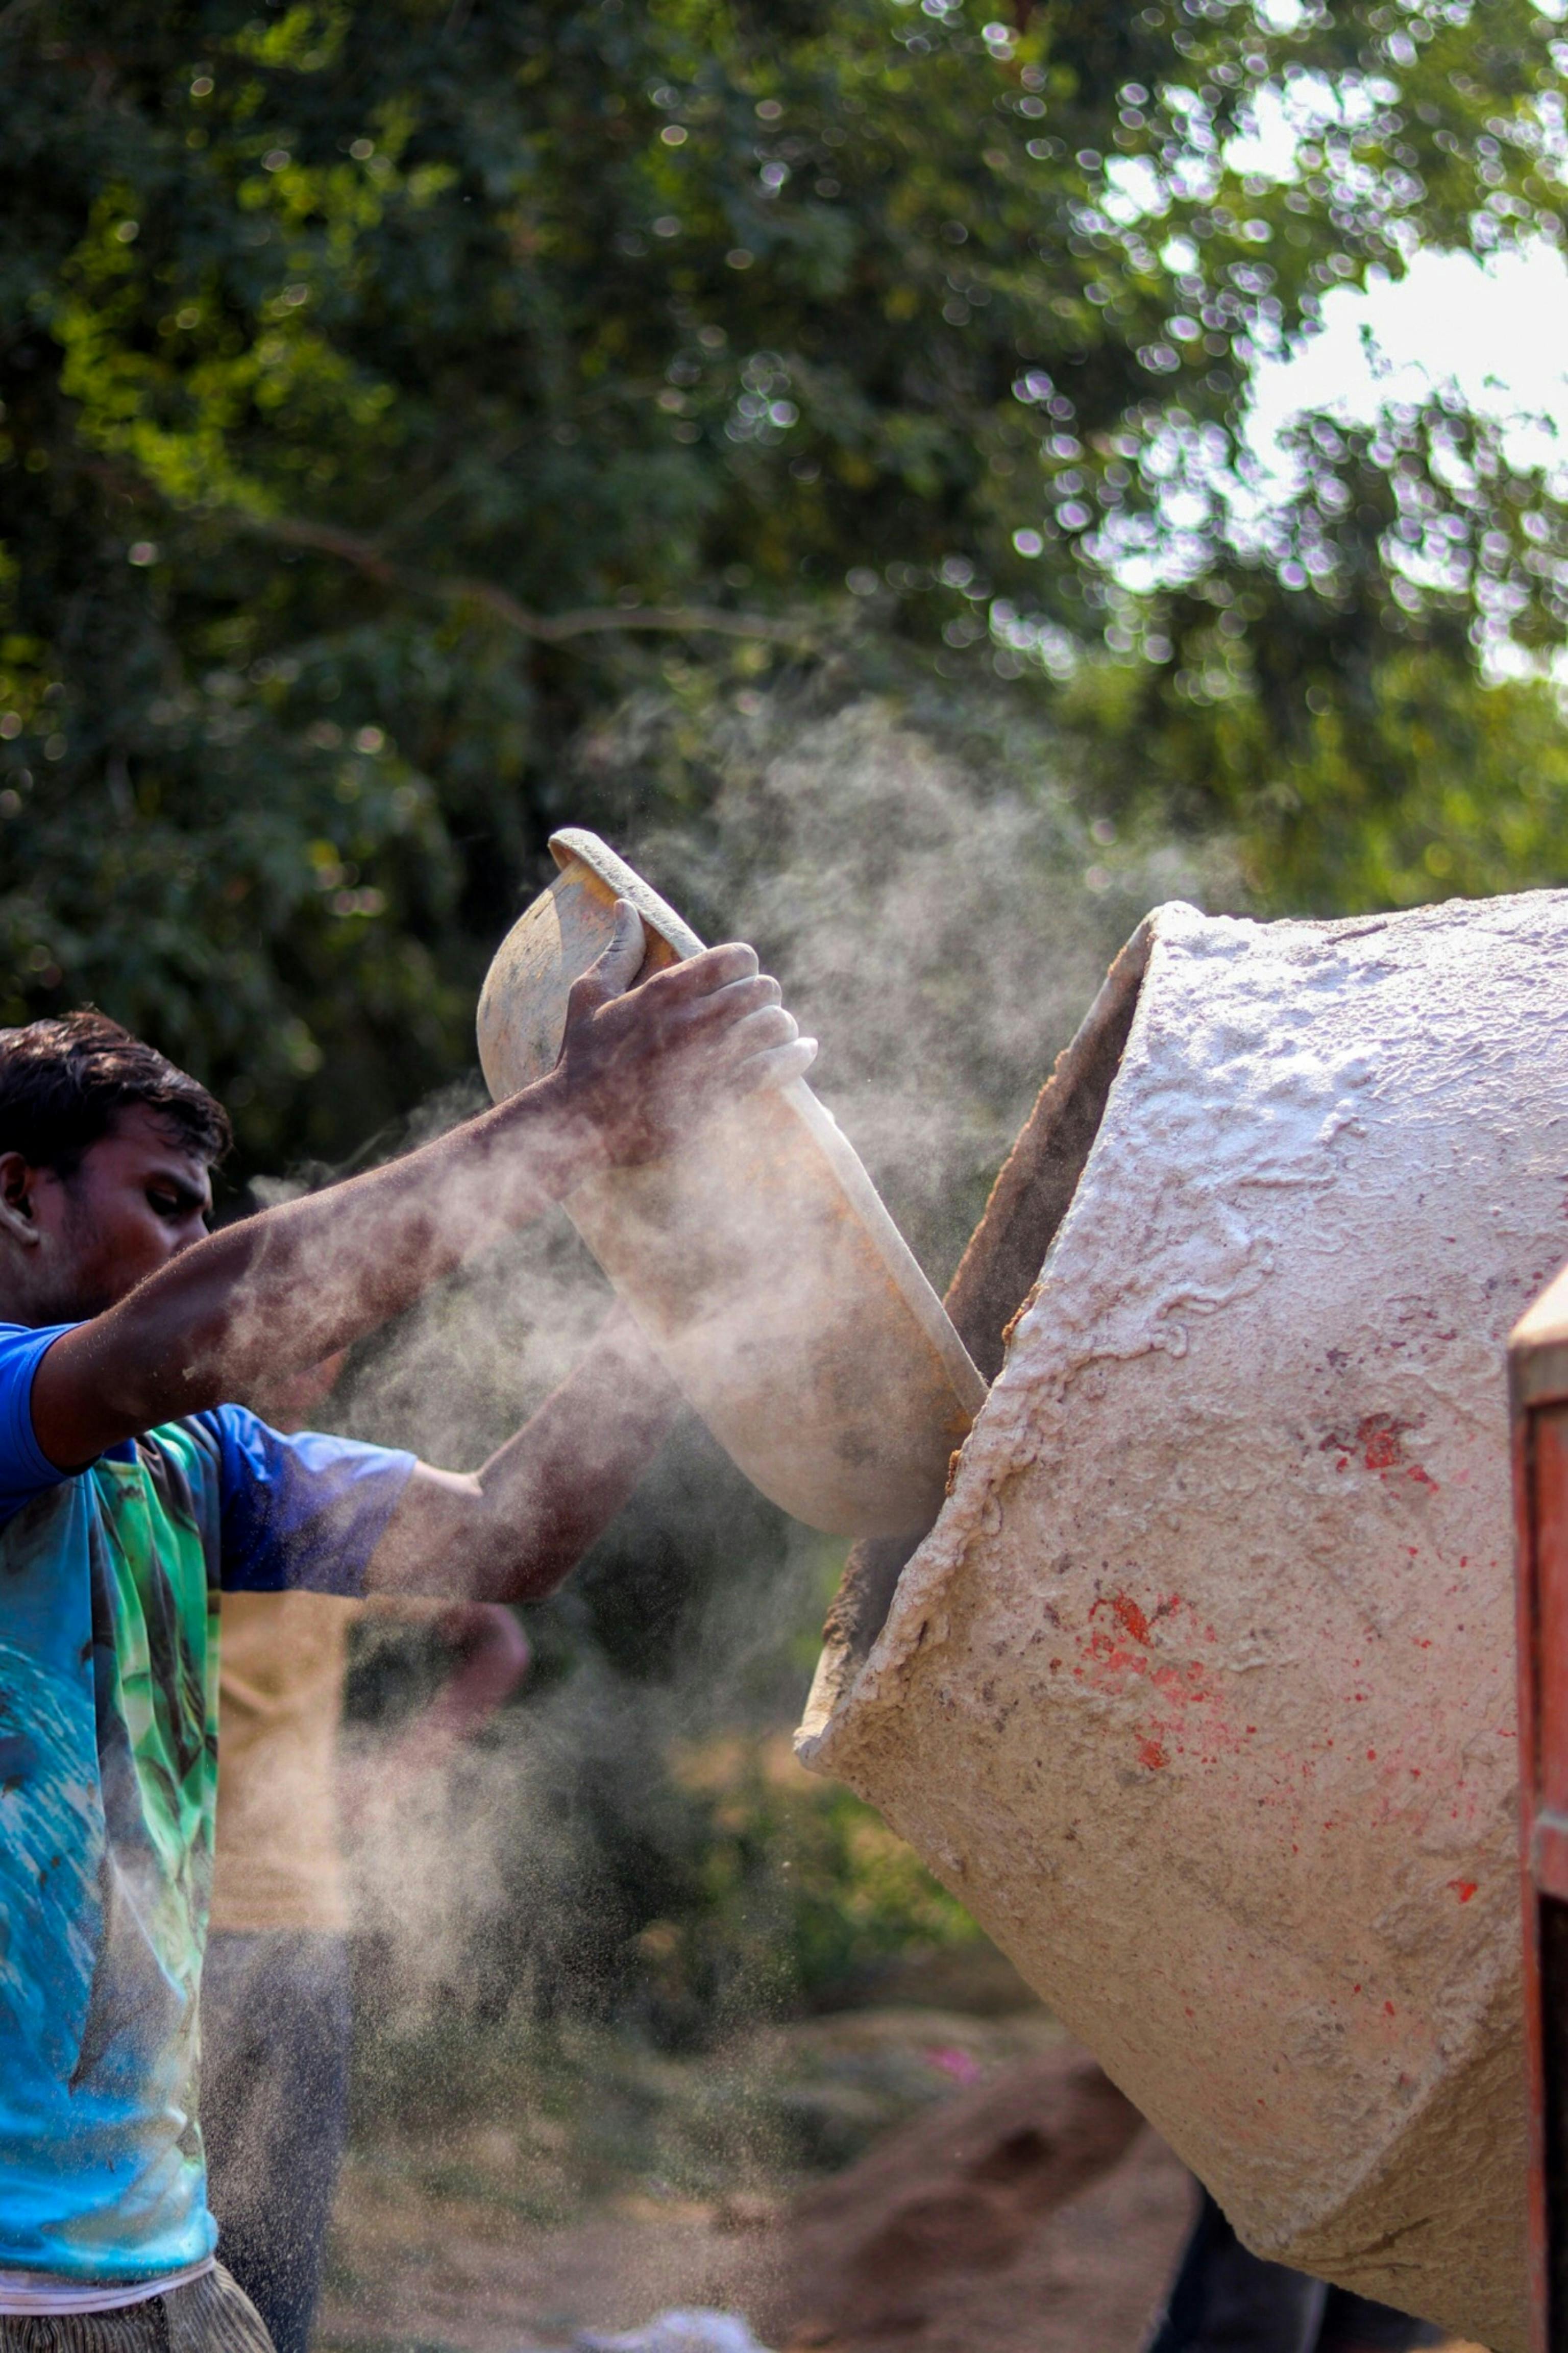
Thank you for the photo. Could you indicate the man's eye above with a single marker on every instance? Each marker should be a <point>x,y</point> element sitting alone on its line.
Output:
<point>165,1205</point>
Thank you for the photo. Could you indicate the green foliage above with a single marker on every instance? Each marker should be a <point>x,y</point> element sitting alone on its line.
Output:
<point>802,1892</point>
<point>388,392</point>
<point>1408,781</point>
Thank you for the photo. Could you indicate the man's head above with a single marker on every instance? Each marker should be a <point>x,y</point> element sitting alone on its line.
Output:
<point>105,1154</point>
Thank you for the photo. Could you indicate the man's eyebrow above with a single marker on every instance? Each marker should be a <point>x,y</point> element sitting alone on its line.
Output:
<point>177,1183</point>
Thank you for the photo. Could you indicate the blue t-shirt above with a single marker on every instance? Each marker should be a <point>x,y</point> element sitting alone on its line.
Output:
<point>108,1587</point>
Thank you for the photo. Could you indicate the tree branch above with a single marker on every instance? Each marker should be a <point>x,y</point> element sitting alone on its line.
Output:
<point>366,556</point>
<point>369,557</point>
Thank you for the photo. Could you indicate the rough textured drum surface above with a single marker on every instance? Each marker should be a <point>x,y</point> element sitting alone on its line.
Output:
<point>1200,1691</point>
<point>758,1259</point>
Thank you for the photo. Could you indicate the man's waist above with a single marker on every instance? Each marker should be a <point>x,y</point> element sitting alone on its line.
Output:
<point>47,2291</point>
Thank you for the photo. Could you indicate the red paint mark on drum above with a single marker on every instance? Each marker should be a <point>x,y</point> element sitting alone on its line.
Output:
<point>1463,1888</point>
<point>1380,1439</point>
<point>1150,1753</point>
<point>1379,1443</point>
<point>1130,1617</point>
<point>1180,1683</point>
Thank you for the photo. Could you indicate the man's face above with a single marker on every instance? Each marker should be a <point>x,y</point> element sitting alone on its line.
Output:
<point>138,1197</point>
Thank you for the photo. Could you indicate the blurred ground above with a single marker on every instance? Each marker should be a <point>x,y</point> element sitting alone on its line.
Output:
<point>508,2236</point>
<point>606,2183</point>
<point>514,2181</point>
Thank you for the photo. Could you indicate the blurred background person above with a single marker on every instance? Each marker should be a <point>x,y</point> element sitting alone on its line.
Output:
<point>1225,2300</point>
<point>276,2019</point>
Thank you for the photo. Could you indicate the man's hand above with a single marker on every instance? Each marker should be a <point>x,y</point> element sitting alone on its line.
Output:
<point>642,1064</point>
<point>491,1657</point>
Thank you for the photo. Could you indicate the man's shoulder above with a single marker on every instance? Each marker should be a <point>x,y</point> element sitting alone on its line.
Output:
<point>24,1467</point>
<point>25,1470</point>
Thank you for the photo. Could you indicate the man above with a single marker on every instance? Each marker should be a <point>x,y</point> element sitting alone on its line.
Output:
<point>276,2023</point>
<point>277,2030</point>
<point>1225,2300</point>
<point>133,1486</point>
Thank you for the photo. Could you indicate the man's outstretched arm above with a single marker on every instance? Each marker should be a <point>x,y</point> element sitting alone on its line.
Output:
<point>281,1291</point>
<point>512,1531</point>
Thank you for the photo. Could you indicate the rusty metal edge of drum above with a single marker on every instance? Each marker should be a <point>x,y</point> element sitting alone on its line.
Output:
<point>1538,1384</point>
<point>1528,1905</point>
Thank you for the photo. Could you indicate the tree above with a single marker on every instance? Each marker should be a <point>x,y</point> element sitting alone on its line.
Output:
<point>388,391</point>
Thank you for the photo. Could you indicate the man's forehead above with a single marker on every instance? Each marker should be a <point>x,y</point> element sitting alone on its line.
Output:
<point>142,1132</point>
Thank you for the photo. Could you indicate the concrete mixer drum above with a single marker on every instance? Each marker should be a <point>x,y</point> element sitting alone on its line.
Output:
<point>1199,1691</point>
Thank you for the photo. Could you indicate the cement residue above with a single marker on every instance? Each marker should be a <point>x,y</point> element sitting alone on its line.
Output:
<point>1199,1691</point>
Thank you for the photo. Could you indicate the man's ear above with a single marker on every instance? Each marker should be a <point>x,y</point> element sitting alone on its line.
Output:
<point>18,1223</point>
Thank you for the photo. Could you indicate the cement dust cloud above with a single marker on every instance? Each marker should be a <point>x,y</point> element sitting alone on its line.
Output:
<point>941,921</point>
<point>939,917</point>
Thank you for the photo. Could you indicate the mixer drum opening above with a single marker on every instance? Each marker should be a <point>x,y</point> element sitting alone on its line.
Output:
<point>998,1273</point>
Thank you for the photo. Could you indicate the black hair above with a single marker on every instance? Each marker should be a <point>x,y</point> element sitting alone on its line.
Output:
<point>63,1083</point>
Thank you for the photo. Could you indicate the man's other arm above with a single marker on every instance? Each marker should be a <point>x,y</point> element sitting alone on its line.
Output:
<point>513,1530</point>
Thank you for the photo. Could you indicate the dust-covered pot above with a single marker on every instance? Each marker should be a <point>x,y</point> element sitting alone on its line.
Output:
<point>758,1259</point>
<point>1200,1691</point>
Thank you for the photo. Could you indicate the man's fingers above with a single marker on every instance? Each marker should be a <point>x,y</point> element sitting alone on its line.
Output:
<point>730,1023</point>
<point>699,975</point>
<point>759,1032</point>
<point>615,970</point>
<point>713,1025</point>
<point>722,1007</point>
<point>776,1068</point>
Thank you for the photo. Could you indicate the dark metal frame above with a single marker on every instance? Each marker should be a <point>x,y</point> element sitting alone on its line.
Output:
<point>1538,1377</point>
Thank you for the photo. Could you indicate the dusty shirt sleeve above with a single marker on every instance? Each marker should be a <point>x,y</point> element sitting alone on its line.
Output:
<point>303,1510</point>
<point>26,1470</point>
